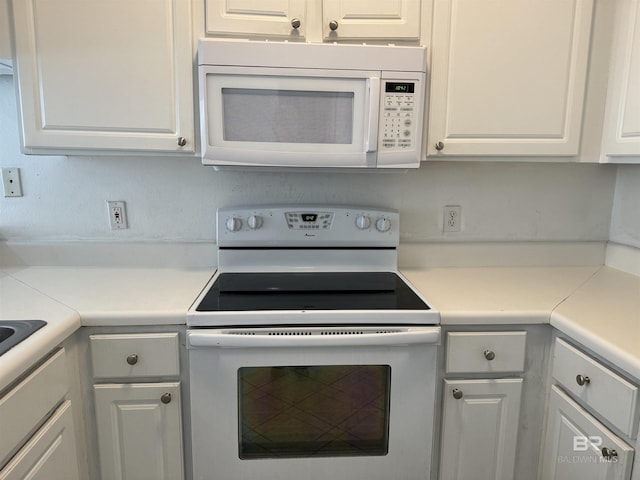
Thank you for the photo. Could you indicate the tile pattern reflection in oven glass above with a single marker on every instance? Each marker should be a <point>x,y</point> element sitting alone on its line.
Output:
<point>308,411</point>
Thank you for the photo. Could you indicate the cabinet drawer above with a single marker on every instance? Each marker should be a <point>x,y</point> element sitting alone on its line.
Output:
<point>485,352</point>
<point>603,390</point>
<point>29,403</point>
<point>135,355</point>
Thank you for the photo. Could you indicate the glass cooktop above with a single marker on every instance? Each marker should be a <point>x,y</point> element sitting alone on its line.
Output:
<point>310,291</point>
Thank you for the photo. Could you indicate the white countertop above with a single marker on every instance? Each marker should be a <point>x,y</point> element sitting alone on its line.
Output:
<point>120,295</point>
<point>604,315</point>
<point>597,306</point>
<point>497,295</point>
<point>70,297</point>
<point>20,302</point>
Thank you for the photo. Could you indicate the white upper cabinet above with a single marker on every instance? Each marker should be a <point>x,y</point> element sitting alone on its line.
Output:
<point>384,19</point>
<point>314,20</point>
<point>508,76</point>
<point>5,40</point>
<point>281,18</point>
<point>104,76</point>
<point>621,139</point>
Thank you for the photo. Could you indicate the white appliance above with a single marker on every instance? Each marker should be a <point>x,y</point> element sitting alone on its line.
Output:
<point>310,356</point>
<point>281,104</point>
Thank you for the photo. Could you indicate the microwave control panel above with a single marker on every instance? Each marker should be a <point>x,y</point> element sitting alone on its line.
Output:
<point>398,122</point>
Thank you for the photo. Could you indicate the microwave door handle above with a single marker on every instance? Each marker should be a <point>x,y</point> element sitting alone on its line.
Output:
<point>371,135</point>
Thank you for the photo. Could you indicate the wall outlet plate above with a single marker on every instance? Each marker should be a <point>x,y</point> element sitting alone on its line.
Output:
<point>11,182</point>
<point>117,215</point>
<point>452,218</point>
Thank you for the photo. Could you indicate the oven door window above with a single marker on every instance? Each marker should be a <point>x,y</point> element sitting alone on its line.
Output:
<point>313,411</point>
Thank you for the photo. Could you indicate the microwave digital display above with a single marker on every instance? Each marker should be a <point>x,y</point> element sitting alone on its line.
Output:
<point>397,87</point>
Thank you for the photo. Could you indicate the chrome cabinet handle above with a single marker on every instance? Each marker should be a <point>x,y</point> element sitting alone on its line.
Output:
<point>333,25</point>
<point>295,23</point>
<point>457,394</point>
<point>165,398</point>
<point>439,146</point>
<point>582,380</point>
<point>182,141</point>
<point>132,359</point>
<point>609,453</point>
<point>489,354</point>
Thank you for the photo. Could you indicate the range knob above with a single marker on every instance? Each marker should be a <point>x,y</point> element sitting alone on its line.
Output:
<point>363,222</point>
<point>233,224</point>
<point>383,224</point>
<point>254,222</point>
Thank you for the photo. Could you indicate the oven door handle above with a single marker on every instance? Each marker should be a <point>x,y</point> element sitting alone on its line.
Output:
<point>222,339</point>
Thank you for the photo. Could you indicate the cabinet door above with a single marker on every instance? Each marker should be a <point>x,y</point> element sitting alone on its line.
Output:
<point>50,454</point>
<point>139,431</point>
<point>392,19</point>
<point>256,18</point>
<point>573,443</point>
<point>5,40</point>
<point>622,119</point>
<point>104,76</point>
<point>480,429</point>
<point>508,76</point>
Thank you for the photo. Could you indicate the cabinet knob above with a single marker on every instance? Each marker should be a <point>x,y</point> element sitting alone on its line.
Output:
<point>489,354</point>
<point>609,453</point>
<point>333,25</point>
<point>582,380</point>
<point>182,141</point>
<point>439,146</point>
<point>457,394</point>
<point>132,359</point>
<point>295,23</point>
<point>165,398</point>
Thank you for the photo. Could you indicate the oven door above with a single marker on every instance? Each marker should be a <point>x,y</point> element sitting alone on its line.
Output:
<point>313,403</point>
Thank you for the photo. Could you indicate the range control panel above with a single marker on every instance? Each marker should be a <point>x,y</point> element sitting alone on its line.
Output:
<point>304,226</point>
<point>398,117</point>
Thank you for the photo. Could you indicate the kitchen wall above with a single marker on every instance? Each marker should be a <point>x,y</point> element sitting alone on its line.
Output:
<point>172,199</point>
<point>625,220</point>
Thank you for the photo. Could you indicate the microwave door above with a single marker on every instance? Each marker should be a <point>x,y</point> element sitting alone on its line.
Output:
<point>286,120</point>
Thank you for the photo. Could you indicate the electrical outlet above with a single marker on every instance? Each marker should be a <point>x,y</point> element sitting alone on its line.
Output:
<point>11,182</point>
<point>452,218</point>
<point>117,215</point>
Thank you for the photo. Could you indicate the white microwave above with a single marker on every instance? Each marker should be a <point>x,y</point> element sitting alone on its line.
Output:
<point>281,104</point>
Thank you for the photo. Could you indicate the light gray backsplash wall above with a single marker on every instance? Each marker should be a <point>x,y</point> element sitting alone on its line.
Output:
<point>171,199</point>
<point>625,221</point>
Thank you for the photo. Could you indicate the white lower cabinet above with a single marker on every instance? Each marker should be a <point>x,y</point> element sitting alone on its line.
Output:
<point>578,447</point>
<point>50,454</point>
<point>481,415</point>
<point>592,417</point>
<point>139,431</point>
<point>37,439</point>
<point>480,428</point>
<point>138,406</point>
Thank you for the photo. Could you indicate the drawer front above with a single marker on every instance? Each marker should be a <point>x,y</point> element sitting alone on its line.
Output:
<point>485,352</point>
<point>28,404</point>
<point>600,388</point>
<point>135,355</point>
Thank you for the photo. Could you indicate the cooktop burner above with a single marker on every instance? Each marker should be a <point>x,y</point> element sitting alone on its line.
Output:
<point>310,291</point>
